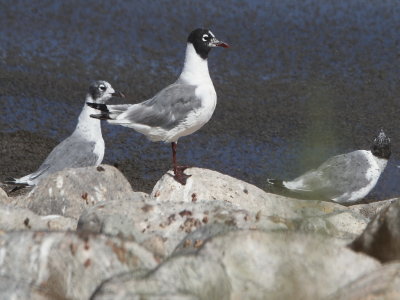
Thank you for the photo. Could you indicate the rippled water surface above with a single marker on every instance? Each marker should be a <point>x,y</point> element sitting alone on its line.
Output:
<point>302,81</point>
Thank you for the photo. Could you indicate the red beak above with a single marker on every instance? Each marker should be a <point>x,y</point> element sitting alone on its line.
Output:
<point>223,45</point>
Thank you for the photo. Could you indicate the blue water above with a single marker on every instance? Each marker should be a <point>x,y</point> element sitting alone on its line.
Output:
<point>303,80</point>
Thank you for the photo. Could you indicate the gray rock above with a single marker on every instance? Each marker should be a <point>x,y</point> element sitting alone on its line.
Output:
<point>14,200</point>
<point>250,265</point>
<point>181,276</point>
<point>160,227</point>
<point>381,238</point>
<point>70,191</point>
<point>3,197</point>
<point>68,265</point>
<point>307,215</point>
<point>344,226</point>
<point>282,265</point>
<point>194,240</point>
<point>14,218</point>
<point>381,284</point>
<point>207,185</point>
<point>11,289</point>
<point>341,227</point>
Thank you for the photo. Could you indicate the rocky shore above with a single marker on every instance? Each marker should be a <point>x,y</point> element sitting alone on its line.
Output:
<point>85,234</point>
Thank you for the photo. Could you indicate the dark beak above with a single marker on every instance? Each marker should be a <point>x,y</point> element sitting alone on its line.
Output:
<point>118,94</point>
<point>215,43</point>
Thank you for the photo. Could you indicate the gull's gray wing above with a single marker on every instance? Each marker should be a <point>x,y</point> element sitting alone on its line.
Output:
<point>73,152</point>
<point>337,175</point>
<point>166,109</point>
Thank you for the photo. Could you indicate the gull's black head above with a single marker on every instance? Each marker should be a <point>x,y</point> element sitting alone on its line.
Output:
<point>203,40</point>
<point>100,91</point>
<point>381,146</point>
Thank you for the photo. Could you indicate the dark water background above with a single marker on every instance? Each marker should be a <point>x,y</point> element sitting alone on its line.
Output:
<point>302,81</point>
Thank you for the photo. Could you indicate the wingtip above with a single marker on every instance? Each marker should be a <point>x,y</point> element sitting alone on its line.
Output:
<point>14,181</point>
<point>10,180</point>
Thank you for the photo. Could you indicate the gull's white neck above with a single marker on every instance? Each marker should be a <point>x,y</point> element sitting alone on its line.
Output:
<point>195,68</point>
<point>381,162</point>
<point>87,126</point>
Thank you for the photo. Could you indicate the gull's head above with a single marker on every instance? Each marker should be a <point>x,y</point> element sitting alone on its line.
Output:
<point>381,146</point>
<point>203,40</point>
<point>100,91</point>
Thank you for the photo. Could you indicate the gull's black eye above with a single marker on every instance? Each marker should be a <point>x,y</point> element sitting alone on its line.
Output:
<point>205,37</point>
<point>102,87</point>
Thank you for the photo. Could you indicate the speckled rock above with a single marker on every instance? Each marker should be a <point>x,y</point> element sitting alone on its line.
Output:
<point>162,226</point>
<point>381,238</point>
<point>307,215</point>
<point>381,284</point>
<point>207,185</point>
<point>250,265</point>
<point>68,265</point>
<point>14,218</point>
<point>70,191</point>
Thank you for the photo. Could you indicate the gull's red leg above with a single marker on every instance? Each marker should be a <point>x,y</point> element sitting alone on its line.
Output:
<point>178,170</point>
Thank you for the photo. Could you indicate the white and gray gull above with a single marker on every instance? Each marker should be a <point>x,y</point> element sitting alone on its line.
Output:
<point>83,148</point>
<point>179,109</point>
<point>344,178</point>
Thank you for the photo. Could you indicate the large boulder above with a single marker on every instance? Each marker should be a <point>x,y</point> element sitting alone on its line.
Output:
<point>16,218</point>
<point>68,265</point>
<point>381,284</point>
<point>249,265</point>
<point>71,191</point>
<point>381,238</point>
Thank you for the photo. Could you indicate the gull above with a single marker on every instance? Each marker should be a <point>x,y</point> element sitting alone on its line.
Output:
<point>178,110</point>
<point>344,178</point>
<point>83,148</point>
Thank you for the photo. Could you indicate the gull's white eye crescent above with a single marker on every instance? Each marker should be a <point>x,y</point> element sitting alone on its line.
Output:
<point>205,37</point>
<point>102,87</point>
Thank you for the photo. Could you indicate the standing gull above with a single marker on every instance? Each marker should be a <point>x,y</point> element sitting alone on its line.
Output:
<point>179,109</point>
<point>83,148</point>
<point>344,178</point>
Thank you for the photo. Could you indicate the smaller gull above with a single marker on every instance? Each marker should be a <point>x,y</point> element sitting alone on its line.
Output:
<point>83,148</point>
<point>344,178</point>
<point>179,109</point>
